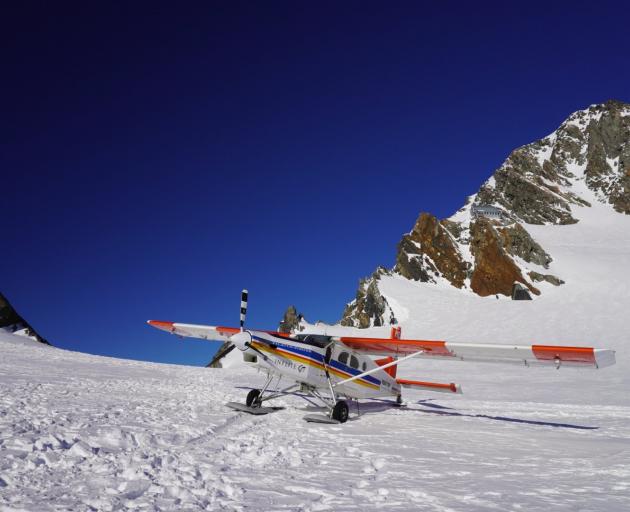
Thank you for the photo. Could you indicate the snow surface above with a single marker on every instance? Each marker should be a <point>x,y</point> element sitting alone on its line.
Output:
<point>83,432</point>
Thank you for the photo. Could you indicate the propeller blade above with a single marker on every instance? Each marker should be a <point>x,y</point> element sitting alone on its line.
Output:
<point>243,308</point>
<point>223,351</point>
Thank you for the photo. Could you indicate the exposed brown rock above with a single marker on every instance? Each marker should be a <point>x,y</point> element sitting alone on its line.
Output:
<point>495,272</point>
<point>429,250</point>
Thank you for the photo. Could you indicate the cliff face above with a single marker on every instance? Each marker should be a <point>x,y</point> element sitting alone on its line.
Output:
<point>495,271</point>
<point>429,252</point>
<point>12,321</point>
<point>550,181</point>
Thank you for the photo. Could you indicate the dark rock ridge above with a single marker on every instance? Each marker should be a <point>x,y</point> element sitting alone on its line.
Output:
<point>369,308</point>
<point>541,183</point>
<point>13,322</point>
<point>532,185</point>
<point>290,321</point>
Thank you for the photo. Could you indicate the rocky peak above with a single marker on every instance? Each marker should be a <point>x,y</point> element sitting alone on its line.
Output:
<point>485,247</point>
<point>13,322</point>
<point>369,308</point>
<point>290,321</point>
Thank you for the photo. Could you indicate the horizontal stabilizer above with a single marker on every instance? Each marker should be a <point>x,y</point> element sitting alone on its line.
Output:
<point>430,386</point>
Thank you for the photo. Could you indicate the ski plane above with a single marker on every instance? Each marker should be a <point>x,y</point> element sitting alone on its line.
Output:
<point>333,369</point>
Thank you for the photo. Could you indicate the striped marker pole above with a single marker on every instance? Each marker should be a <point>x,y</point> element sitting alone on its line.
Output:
<point>243,307</point>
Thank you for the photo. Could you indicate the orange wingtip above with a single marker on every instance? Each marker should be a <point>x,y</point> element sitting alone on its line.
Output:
<point>584,355</point>
<point>158,324</point>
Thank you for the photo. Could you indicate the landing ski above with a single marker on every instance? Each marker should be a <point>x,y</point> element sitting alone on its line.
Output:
<point>252,410</point>
<point>320,418</point>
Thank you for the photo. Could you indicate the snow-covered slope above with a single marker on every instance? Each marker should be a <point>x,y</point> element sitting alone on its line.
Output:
<point>82,432</point>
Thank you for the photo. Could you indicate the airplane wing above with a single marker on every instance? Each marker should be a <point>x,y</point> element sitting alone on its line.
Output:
<point>550,355</point>
<point>205,332</point>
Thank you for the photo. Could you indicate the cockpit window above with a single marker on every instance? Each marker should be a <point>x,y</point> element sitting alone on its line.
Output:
<point>354,362</point>
<point>316,340</point>
<point>343,358</point>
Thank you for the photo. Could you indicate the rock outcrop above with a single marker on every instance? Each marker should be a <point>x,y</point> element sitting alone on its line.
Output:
<point>369,308</point>
<point>13,322</point>
<point>495,272</point>
<point>516,240</point>
<point>290,321</point>
<point>430,252</point>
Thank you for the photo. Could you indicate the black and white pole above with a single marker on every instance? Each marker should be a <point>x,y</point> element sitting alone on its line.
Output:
<point>243,307</point>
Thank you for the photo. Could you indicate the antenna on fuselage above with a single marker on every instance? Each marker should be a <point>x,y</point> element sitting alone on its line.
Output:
<point>243,308</point>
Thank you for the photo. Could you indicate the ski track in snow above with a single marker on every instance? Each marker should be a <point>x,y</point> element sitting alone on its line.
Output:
<point>82,432</point>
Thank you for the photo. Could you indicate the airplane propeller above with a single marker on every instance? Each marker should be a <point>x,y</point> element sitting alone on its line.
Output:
<point>243,308</point>
<point>234,341</point>
<point>241,340</point>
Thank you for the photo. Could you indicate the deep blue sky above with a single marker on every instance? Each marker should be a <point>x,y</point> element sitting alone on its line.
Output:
<point>158,157</point>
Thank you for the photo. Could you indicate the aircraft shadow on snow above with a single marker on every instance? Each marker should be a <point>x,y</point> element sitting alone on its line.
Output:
<point>376,405</point>
<point>441,410</point>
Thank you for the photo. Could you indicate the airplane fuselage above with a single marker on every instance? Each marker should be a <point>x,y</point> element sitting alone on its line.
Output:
<point>306,361</point>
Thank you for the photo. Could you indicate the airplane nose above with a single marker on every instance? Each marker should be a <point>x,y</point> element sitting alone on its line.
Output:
<point>241,340</point>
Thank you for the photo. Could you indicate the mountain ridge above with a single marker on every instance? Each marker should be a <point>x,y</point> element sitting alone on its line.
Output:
<point>486,245</point>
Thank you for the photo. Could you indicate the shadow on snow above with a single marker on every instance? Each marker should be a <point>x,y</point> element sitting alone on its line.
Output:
<point>376,405</point>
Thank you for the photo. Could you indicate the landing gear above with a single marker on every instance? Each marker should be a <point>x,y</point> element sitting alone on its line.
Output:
<point>340,411</point>
<point>253,398</point>
<point>399,400</point>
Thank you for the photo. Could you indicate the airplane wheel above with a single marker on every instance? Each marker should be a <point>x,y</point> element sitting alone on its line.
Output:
<point>340,411</point>
<point>399,400</point>
<point>253,398</point>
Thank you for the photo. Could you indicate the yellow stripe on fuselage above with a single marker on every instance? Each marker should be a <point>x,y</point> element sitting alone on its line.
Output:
<point>315,364</point>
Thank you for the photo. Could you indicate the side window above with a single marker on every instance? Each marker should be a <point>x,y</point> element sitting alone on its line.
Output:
<point>343,358</point>
<point>354,362</point>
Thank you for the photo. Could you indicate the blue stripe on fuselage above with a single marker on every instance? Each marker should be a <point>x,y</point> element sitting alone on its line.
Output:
<point>353,372</point>
<point>316,356</point>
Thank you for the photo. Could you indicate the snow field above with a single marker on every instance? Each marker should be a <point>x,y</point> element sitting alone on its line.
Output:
<point>81,432</point>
